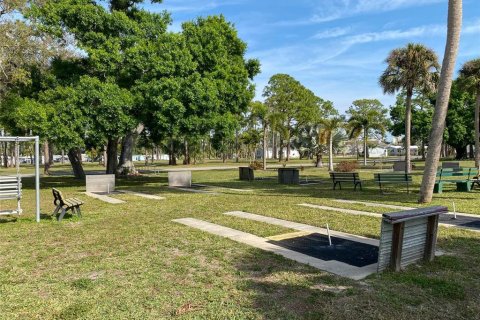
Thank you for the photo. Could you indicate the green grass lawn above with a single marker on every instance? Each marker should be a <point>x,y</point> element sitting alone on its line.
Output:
<point>129,261</point>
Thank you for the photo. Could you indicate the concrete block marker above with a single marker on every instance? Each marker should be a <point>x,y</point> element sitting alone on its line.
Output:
<point>332,266</point>
<point>142,195</point>
<point>104,198</point>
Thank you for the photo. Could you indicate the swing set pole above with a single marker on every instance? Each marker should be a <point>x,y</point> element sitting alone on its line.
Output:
<point>37,177</point>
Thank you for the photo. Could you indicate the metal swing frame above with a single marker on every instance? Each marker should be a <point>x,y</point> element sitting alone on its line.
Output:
<point>17,140</point>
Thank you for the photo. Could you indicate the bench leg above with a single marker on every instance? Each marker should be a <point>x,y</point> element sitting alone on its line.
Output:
<point>56,211</point>
<point>464,186</point>
<point>438,188</point>
<point>60,217</point>
<point>79,213</point>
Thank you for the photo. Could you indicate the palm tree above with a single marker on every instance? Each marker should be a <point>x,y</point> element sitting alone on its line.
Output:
<point>328,129</point>
<point>470,81</point>
<point>414,67</point>
<point>366,115</point>
<point>443,96</point>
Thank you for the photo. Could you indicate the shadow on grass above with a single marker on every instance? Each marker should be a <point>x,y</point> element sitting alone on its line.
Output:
<point>444,288</point>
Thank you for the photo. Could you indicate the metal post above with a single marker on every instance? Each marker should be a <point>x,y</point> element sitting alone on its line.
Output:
<point>37,177</point>
<point>329,238</point>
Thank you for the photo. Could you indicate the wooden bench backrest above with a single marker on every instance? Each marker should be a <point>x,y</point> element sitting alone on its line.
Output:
<point>392,177</point>
<point>10,187</point>
<point>345,176</point>
<point>57,197</point>
<point>457,172</point>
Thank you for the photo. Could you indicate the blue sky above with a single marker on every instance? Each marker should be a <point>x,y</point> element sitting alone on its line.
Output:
<point>336,48</point>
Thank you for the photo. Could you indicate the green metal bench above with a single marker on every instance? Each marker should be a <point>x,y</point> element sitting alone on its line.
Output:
<point>65,204</point>
<point>393,178</point>
<point>346,177</point>
<point>464,178</point>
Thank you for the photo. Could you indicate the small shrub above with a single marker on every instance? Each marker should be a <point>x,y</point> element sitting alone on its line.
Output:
<point>256,165</point>
<point>346,166</point>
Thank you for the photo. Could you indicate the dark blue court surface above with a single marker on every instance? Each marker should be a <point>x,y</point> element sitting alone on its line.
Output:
<point>316,245</point>
<point>473,224</point>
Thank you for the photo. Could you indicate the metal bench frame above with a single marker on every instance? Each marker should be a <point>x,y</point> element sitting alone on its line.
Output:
<point>463,185</point>
<point>11,188</point>
<point>65,204</point>
<point>349,177</point>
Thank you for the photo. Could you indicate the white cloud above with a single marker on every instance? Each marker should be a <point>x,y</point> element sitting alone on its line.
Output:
<point>395,34</point>
<point>332,33</point>
<point>194,6</point>
<point>331,10</point>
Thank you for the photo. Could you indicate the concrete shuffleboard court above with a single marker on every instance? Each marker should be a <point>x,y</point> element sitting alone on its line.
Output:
<point>142,195</point>
<point>332,266</point>
<point>463,220</point>
<point>104,198</point>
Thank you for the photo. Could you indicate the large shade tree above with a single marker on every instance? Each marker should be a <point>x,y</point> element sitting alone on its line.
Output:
<point>454,28</point>
<point>470,80</point>
<point>422,112</point>
<point>292,106</point>
<point>414,67</point>
<point>366,116</point>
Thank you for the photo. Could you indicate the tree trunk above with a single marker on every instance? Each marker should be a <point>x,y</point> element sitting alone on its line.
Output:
<point>274,145</point>
<point>75,158</point>
<point>408,125</point>
<point>46,158</point>
<point>289,147</point>
<point>423,149</point>
<point>330,152</point>
<point>319,162</point>
<point>477,131</point>
<point>443,96</point>
<point>126,165</point>
<point>112,161</point>
<point>172,160</point>
<point>63,157</point>
<point>265,147</point>
<point>186,153</point>
<point>5,155</point>
<point>365,151</point>
<point>461,152</point>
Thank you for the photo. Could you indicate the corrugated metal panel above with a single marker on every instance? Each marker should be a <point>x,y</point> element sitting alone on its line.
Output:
<point>414,238</point>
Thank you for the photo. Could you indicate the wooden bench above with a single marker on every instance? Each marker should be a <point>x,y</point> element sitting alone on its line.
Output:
<point>347,177</point>
<point>464,178</point>
<point>65,204</point>
<point>408,236</point>
<point>393,178</point>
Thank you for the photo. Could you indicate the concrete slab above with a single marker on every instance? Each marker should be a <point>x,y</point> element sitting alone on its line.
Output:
<point>220,187</point>
<point>334,267</point>
<point>194,190</point>
<point>374,204</point>
<point>350,211</point>
<point>300,226</point>
<point>143,195</point>
<point>104,198</point>
<point>446,220</point>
